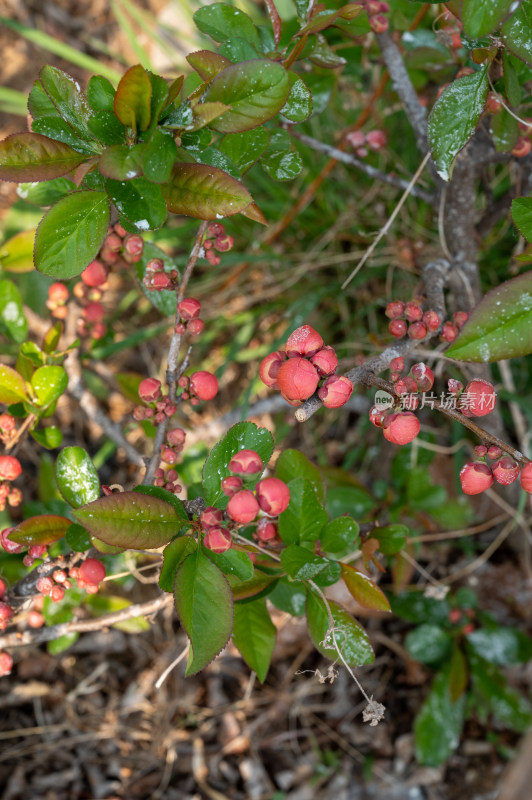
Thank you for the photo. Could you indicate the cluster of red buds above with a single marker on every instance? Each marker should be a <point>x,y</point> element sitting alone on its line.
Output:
<point>34,550</point>
<point>10,469</point>
<point>476,400</point>
<point>156,278</point>
<point>410,318</point>
<point>6,612</point>
<point>363,142</point>
<point>202,385</point>
<point>159,408</point>
<point>477,476</point>
<point>170,450</point>
<point>58,296</point>
<point>376,10</point>
<point>189,311</point>
<point>301,366</point>
<point>216,239</point>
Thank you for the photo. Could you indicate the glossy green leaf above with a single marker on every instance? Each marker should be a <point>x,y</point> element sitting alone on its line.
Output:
<point>159,156</point>
<point>259,585</point>
<point>324,56</point>
<point>33,157</point>
<point>52,337</point>
<point>168,497</point>
<point>516,33</point>
<point>298,106</point>
<point>294,464</point>
<point>363,589</point>
<point>12,386</point>
<point>233,562</point>
<point>48,384</point>
<point>205,113</point>
<point>340,536</point>
<point>428,643</point>
<point>352,500</point>
<point>132,102</point>
<point>76,476</point>
<point>454,119</point>
<point>256,90</point>
<point>42,529</point>
<point>163,301</point>
<point>245,148</point>
<point>415,607</point>
<point>500,326</point>
<point>207,64</point>
<point>391,538</point>
<point>104,548</point>
<point>301,564</point>
<point>481,18</point>
<point>45,193</point>
<point>242,436</point>
<point>56,128</point>
<point>78,538</point>
<point>71,233</point>
<point>289,596</point>
<point>120,162</point>
<point>351,638</point>
<point>16,254</point>
<point>282,165</point>
<point>215,158</point>
<point>501,645</point>
<point>490,688</point>
<point>130,519</point>
<point>13,323</point>
<point>512,86</point>
<point>238,50</point>
<point>328,576</point>
<point>50,437</point>
<point>204,192</point>
<point>222,22</point>
<point>522,216</point>
<point>107,128</point>
<point>204,605</point>
<point>438,725</point>
<point>159,95</point>
<point>324,19</point>
<point>305,517</point>
<point>39,104</point>
<point>100,93</point>
<point>173,556</point>
<point>254,636</point>
<point>67,97</point>
<point>140,202</point>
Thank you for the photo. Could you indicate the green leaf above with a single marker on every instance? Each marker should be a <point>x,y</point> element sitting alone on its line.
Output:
<point>391,538</point>
<point>43,529</point>
<point>207,64</point>
<point>294,464</point>
<point>50,437</point>
<point>490,687</point>
<point>522,216</point>
<point>298,106</point>
<point>254,636</point>
<point>258,586</point>
<point>222,22</point>
<point>52,337</point>
<point>214,157</point>
<point>414,607</point>
<point>458,673</point>
<point>482,18</point>
<point>132,102</point>
<point>500,326</point>
<point>48,383</point>
<point>233,562</point>
<point>516,33</point>
<point>301,564</point>
<point>305,517</point>
<point>12,386</point>
<point>121,162</point>
<point>33,157</point>
<point>352,500</point>
<point>71,233</point>
<point>282,165</point>
<point>242,436</point>
<point>454,118</point>
<point>163,301</point>
<point>45,193</point>
<point>204,605</point>
<point>39,104</point>
<point>324,56</point>
<point>512,86</point>
<point>168,497</point>
<point>363,589</point>
<point>108,604</point>
<point>289,596</point>
<point>238,50</point>
<point>107,128</point>
<point>350,636</point>
<point>173,556</point>
<point>245,148</point>
<point>501,645</point>
<point>77,538</point>
<point>256,90</point>
<point>16,254</point>
<point>67,97</point>
<point>428,643</point>
<point>76,476</point>
<point>324,19</point>
<point>13,323</point>
<point>504,130</point>
<point>58,129</point>
<point>130,519</point>
<point>141,202</point>
<point>439,723</point>
<point>159,95</point>
<point>159,156</point>
<point>340,536</point>
<point>204,192</point>
<point>100,93</point>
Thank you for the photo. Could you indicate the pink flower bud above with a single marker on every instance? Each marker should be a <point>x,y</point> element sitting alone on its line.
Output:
<point>134,244</point>
<point>417,330</point>
<point>269,367</point>
<point>480,450</point>
<point>57,593</point>
<point>58,293</point>
<point>35,619</point>
<point>204,385</point>
<point>454,386</point>
<point>189,308</point>
<point>449,332</point>
<point>397,328</point>
<point>376,140</point>
<point>7,544</point>
<point>231,485</point>
<point>406,385</point>
<point>113,242</point>
<point>394,376</point>
<point>215,229</point>
<point>246,462</point>
<point>355,138</point>
<point>95,274</point>
<point>493,104</point>
<point>335,391</point>
<point>266,531</point>
<point>526,477</point>
<point>10,468</point>
<point>304,341</point>
<point>217,539</point>
<point>160,281</point>
<point>378,23</point>
<point>475,478</point>
<point>325,360</point>
<point>224,243</point>
<point>6,664</point>
<point>522,147</point>
<point>494,452</point>
<point>479,398</point>
<point>273,495</point>
<point>243,507</point>
<point>155,265</point>
<point>431,320</point>
<point>93,312</point>
<point>45,586</point>
<point>195,327</point>
<point>168,455</point>
<point>59,575</point>
<point>37,550</point>
<point>413,311</point>
<point>176,437</point>
<point>92,571</point>
<point>460,318</point>
<point>211,517</point>
<point>212,257</point>
<point>395,309</point>
<point>6,612</point>
<point>373,7</point>
<point>150,390</point>
<point>297,378</point>
<point>397,364</point>
<point>424,377</point>
<point>505,471</point>
<point>401,428</point>
<point>377,416</point>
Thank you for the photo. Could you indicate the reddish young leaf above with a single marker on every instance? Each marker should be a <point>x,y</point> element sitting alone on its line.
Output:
<point>275,20</point>
<point>363,589</point>
<point>33,157</point>
<point>254,213</point>
<point>207,64</point>
<point>207,112</point>
<point>205,192</point>
<point>328,18</point>
<point>132,102</point>
<point>43,529</point>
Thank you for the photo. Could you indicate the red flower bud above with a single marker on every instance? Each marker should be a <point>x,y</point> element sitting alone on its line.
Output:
<point>406,385</point>
<point>266,530</point>
<point>376,140</point>
<point>297,378</point>
<point>273,495</point>
<point>217,539</point>
<point>6,664</point>
<point>168,455</point>
<point>176,437</point>
<point>45,585</point>
<point>377,416</point>
<point>325,360</point>
<point>269,367</point>
<point>478,398</point>
<point>195,327</point>
<point>160,281</point>
<point>395,309</point>
<point>431,320</point>
<point>417,330</point>
<point>243,507</point>
<point>424,377</point>
<point>397,328</point>
<point>7,544</point>
<point>95,274</point>
<point>494,452</point>
<point>246,462</point>
<point>58,293</point>
<point>475,478</point>
<point>460,318</point>
<point>480,450</point>
<point>505,471</point>
<point>93,312</point>
<point>378,23</point>
<point>224,243</point>
<point>134,244</point>
<point>10,468</point>
<point>92,571</point>
<point>6,612</point>
<point>113,242</point>
<point>215,229</point>
<point>304,341</point>
<point>56,594</point>
<point>211,517</point>
<point>413,311</point>
<point>204,385</point>
<point>397,364</point>
<point>522,147</point>
<point>454,386</point>
<point>401,428</point>
<point>336,391</point>
<point>150,390</point>
<point>189,308</point>
<point>449,332</point>
<point>526,477</point>
<point>231,485</point>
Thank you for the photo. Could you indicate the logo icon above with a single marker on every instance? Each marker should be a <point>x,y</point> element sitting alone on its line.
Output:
<point>383,400</point>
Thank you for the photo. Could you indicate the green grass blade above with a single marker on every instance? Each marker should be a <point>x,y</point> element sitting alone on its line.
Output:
<point>131,35</point>
<point>13,102</point>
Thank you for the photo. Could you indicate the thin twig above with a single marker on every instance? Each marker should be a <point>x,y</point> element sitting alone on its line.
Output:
<point>159,682</point>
